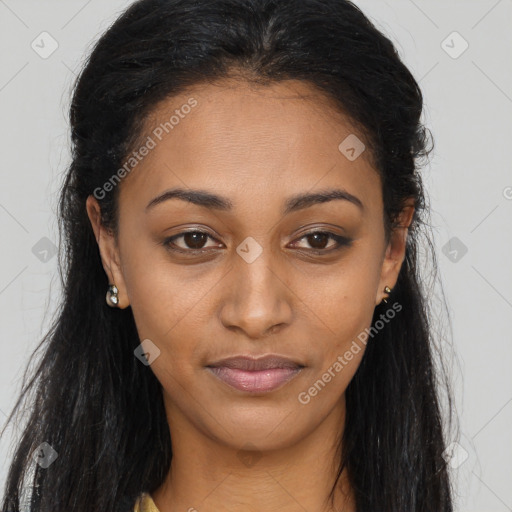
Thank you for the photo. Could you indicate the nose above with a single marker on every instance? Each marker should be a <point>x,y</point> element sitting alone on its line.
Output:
<point>257,300</point>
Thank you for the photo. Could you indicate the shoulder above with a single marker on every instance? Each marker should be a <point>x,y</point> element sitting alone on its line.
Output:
<point>145,503</point>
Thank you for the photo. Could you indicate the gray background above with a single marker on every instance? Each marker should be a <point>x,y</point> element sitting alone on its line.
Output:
<point>468,97</point>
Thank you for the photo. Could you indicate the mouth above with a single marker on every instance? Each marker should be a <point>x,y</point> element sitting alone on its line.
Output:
<point>255,375</point>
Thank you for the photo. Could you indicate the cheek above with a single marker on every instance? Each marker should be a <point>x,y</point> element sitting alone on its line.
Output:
<point>166,311</point>
<point>342,302</point>
<point>166,301</point>
<point>344,310</point>
<point>341,307</point>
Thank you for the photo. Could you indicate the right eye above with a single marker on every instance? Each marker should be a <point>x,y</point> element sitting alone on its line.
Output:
<point>194,241</point>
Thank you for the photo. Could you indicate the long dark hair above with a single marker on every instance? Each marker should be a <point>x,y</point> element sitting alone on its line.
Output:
<point>92,401</point>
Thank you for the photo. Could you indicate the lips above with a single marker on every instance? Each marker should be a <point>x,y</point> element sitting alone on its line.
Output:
<point>248,363</point>
<point>255,375</point>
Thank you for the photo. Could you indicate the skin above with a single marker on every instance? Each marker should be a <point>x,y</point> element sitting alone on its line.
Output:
<point>255,145</point>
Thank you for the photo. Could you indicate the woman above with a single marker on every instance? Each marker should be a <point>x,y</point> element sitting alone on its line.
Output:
<point>244,188</point>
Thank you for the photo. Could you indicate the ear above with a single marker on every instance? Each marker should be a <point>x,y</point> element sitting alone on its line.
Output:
<point>109,251</point>
<point>395,251</point>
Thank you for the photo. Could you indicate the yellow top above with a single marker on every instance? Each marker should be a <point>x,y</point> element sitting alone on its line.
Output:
<point>145,504</point>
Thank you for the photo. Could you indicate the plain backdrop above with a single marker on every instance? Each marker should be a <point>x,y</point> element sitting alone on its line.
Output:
<point>459,51</point>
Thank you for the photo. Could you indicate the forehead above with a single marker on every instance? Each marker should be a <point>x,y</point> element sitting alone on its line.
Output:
<point>240,138</point>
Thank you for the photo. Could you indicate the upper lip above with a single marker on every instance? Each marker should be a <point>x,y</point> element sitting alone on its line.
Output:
<point>250,363</point>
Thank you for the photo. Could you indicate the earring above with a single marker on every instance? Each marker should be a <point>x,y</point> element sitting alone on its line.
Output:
<point>112,297</point>
<point>387,290</point>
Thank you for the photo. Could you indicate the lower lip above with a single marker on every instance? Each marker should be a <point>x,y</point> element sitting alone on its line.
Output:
<point>255,381</point>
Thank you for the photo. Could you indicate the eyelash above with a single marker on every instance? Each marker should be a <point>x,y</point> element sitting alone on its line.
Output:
<point>340,240</point>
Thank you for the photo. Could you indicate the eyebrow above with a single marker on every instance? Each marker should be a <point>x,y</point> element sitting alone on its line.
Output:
<point>292,204</point>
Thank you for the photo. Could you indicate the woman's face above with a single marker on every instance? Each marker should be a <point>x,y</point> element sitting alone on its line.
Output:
<point>255,281</point>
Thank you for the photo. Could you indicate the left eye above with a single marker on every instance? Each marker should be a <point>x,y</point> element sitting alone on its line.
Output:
<point>194,241</point>
<point>318,240</point>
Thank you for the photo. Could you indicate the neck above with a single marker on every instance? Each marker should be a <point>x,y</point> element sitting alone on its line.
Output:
<point>207,475</point>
